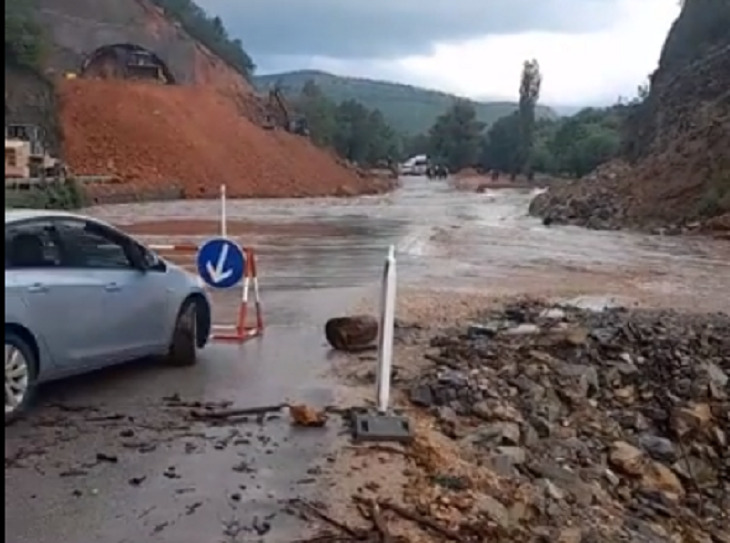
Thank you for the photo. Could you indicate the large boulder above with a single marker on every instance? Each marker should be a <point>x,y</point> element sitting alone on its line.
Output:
<point>355,333</point>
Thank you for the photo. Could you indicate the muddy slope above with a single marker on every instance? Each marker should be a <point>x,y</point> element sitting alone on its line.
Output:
<point>677,167</point>
<point>164,142</point>
<point>193,136</point>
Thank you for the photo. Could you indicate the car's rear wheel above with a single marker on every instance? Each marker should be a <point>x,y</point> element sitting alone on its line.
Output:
<point>21,371</point>
<point>183,347</point>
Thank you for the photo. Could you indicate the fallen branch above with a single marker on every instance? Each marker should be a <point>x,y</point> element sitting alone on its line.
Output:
<point>328,519</point>
<point>238,412</point>
<point>380,448</point>
<point>421,520</point>
<point>380,525</point>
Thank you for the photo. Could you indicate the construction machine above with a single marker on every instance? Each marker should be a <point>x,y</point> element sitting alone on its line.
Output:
<point>280,115</point>
<point>26,155</point>
<point>141,64</point>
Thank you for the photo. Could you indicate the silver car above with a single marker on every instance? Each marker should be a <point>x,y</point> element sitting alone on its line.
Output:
<point>81,295</point>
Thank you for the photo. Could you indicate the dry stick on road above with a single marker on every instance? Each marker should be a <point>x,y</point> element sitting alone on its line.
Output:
<point>374,514</point>
<point>421,520</point>
<point>354,534</point>
<point>239,412</point>
<point>381,449</point>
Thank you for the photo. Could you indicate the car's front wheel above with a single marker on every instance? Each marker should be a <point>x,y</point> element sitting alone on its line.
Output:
<point>21,370</point>
<point>183,347</point>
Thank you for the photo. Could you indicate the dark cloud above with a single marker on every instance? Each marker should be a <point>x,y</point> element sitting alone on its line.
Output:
<point>351,29</point>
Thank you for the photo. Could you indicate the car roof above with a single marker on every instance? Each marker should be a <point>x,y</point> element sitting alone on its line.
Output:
<point>17,215</point>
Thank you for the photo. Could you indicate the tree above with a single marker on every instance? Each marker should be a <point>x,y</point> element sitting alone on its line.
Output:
<point>455,138</point>
<point>355,132</point>
<point>23,36</point>
<point>211,32</point>
<point>530,83</point>
<point>319,113</point>
<point>501,146</point>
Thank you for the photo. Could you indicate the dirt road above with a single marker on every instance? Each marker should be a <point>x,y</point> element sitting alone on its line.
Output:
<point>115,457</point>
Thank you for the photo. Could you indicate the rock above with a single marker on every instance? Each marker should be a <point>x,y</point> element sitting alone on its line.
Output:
<point>489,410</point>
<point>577,337</point>
<point>659,478</point>
<point>570,535</point>
<point>307,416</point>
<point>553,313</point>
<point>551,490</point>
<point>659,448</point>
<point>516,455</point>
<point>421,395</point>
<point>627,458</point>
<point>718,377</point>
<point>523,329</point>
<point>498,433</point>
<point>697,471</point>
<point>578,381</point>
<point>696,417</point>
<point>493,509</point>
<point>483,330</point>
<point>351,334</point>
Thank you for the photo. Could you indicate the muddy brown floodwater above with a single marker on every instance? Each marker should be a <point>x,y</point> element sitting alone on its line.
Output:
<point>113,457</point>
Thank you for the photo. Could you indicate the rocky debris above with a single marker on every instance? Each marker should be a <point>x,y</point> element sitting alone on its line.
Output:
<point>612,424</point>
<point>592,202</point>
<point>353,334</point>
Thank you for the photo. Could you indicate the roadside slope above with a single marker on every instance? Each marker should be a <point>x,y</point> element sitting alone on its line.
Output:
<point>149,135</point>
<point>677,140</point>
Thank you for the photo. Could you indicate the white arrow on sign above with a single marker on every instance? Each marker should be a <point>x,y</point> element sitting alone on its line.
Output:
<point>217,274</point>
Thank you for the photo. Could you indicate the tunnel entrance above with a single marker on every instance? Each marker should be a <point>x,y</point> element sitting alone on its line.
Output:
<point>126,61</point>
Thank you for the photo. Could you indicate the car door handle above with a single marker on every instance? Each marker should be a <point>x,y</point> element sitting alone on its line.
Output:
<point>37,287</point>
<point>112,287</point>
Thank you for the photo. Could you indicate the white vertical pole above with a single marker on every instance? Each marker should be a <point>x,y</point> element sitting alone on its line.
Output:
<point>385,331</point>
<point>224,219</point>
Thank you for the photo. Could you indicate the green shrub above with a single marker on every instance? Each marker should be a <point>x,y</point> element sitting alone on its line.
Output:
<point>67,195</point>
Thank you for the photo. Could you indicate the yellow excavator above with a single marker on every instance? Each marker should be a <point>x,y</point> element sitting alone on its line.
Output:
<point>280,115</point>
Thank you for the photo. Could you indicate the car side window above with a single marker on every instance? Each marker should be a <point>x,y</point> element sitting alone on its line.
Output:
<point>90,246</point>
<point>33,244</point>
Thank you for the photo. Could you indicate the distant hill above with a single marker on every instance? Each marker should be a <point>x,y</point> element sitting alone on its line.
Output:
<point>408,109</point>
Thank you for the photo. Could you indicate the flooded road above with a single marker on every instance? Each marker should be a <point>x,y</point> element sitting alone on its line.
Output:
<point>113,457</point>
<point>449,239</point>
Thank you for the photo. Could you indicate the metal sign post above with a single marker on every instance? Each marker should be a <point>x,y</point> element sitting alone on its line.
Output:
<point>224,215</point>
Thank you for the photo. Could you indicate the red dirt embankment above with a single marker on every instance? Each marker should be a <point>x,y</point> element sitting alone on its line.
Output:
<point>151,135</point>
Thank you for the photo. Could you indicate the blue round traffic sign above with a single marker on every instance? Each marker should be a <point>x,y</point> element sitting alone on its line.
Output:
<point>221,263</point>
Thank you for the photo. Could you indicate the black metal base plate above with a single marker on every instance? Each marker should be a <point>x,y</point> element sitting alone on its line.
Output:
<point>376,426</point>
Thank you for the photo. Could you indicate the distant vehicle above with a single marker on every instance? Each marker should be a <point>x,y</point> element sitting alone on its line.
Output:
<point>417,165</point>
<point>81,295</point>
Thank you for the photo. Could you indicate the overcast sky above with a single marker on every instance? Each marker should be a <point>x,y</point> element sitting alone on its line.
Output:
<point>590,51</point>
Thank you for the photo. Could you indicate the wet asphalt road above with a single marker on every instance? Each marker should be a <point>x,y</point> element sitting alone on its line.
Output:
<point>162,477</point>
<point>113,457</point>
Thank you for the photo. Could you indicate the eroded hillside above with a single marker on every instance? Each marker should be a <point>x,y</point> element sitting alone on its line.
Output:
<point>677,141</point>
<point>204,126</point>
